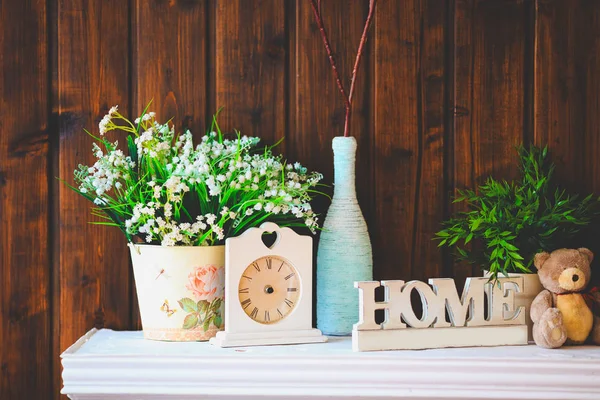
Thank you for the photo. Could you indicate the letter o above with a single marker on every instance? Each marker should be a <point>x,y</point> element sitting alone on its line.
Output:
<point>428,300</point>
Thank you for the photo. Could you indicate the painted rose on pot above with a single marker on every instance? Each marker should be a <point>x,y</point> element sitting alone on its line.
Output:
<point>205,309</point>
<point>207,282</point>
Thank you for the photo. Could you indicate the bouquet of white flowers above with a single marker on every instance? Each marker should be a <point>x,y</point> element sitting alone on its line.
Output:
<point>168,191</point>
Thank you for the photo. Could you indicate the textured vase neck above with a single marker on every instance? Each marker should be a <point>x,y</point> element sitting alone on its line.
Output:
<point>344,160</point>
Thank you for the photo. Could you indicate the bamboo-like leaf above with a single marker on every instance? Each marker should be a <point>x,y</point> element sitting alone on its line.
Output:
<point>511,221</point>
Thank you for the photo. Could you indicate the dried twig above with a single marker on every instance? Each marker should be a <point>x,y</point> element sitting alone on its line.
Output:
<point>316,6</point>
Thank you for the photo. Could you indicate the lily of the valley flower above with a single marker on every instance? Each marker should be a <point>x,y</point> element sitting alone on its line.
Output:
<point>173,192</point>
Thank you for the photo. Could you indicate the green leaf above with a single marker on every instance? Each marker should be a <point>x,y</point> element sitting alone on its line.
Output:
<point>521,267</point>
<point>508,246</point>
<point>202,306</point>
<point>549,232</point>
<point>190,321</point>
<point>476,224</point>
<point>515,256</point>
<point>500,252</point>
<point>495,267</point>
<point>494,253</point>
<point>188,305</point>
<point>218,321</point>
<point>469,237</point>
<point>207,322</point>
<point>217,304</point>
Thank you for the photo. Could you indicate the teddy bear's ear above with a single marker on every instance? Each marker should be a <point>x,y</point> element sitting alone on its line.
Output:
<point>587,252</point>
<point>540,259</point>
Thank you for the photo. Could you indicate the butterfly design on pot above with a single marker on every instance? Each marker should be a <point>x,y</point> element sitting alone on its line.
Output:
<point>167,309</point>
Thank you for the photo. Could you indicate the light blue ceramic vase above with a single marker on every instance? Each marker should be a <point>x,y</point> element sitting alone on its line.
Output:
<point>344,254</point>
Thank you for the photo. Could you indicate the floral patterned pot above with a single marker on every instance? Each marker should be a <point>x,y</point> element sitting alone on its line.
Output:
<point>180,290</point>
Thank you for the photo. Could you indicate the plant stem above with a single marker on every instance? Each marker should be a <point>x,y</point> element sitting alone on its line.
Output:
<point>316,6</point>
<point>319,20</point>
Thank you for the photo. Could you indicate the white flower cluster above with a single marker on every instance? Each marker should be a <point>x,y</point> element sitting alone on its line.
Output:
<point>107,119</point>
<point>155,141</point>
<point>145,221</point>
<point>174,193</point>
<point>106,173</point>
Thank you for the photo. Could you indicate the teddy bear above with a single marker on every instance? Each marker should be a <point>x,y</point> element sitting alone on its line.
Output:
<point>563,311</point>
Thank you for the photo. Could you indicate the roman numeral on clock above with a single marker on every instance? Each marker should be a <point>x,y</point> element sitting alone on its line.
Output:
<point>289,302</point>
<point>290,289</point>
<point>289,276</point>
<point>244,290</point>
<point>267,316</point>
<point>280,266</point>
<point>255,265</point>
<point>269,263</point>
<point>254,313</point>
<point>246,303</point>
<point>279,312</point>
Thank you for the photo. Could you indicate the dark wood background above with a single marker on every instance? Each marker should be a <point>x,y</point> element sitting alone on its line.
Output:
<point>447,89</point>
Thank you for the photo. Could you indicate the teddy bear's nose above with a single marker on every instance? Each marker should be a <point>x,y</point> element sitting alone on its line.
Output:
<point>575,278</point>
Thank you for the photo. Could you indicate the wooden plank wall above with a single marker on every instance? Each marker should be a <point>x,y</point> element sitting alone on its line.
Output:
<point>446,90</point>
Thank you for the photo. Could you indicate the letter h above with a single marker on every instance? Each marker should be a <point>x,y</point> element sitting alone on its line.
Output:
<point>367,305</point>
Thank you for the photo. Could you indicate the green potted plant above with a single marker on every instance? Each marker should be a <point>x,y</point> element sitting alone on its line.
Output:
<point>506,223</point>
<point>177,202</point>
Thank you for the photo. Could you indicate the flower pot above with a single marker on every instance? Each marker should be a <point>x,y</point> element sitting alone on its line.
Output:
<point>180,290</point>
<point>531,288</point>
<point>344,254</point>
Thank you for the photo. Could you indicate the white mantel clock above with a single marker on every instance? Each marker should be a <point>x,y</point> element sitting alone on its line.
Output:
<point>268,290</point>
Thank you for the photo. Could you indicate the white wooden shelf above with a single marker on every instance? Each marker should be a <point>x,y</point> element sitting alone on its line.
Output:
<point>106,364</point>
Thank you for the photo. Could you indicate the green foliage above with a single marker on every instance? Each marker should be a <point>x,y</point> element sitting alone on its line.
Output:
<point>202,313</point>
<point>165,189</point>
<point>507,223</point>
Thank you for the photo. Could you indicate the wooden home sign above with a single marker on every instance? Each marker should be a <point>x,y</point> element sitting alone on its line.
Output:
<point>446,321</point>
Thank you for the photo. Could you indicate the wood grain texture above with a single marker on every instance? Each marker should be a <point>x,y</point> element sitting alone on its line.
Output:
<point>92,76</point>
<point>409,138</point>
<point>566,96</point>
<point>489,65</point>
<point>489,98</point>
<point>25,320</point>
<point>567,101</point>
<point>170,61</point>
<point>251,66</point>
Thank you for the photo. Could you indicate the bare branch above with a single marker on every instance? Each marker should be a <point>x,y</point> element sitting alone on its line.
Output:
<point>363,40</point>
<point>316,6</point>
<point>319,20</point>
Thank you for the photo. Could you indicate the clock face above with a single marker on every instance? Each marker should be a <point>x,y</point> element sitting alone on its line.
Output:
<point>269,289</point>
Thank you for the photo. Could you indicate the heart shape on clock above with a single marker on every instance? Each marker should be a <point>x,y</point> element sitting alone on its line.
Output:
<point>269,239</point>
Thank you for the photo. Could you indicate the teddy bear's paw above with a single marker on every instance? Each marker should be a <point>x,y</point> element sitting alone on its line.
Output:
<point>550,331</point>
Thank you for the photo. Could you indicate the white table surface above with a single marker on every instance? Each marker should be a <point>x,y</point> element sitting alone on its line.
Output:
<point>107,364</point>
